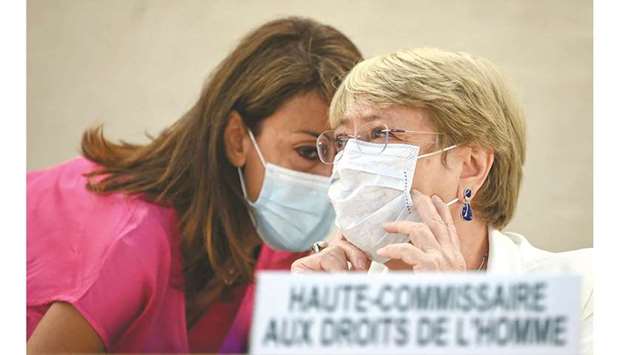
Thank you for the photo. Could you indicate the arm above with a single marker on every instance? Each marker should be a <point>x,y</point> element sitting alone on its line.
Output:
<point>63,329</point>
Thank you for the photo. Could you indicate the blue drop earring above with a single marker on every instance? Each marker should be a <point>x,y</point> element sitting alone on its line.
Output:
<point>467,212</point>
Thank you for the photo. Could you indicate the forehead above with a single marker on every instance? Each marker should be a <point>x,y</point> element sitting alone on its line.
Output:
<point>306,112</point>
<point>402,117</point>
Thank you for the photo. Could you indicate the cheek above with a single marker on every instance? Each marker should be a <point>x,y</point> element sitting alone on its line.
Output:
<point>433,178</point>
<point>424,177</point>
<point>321,169</point>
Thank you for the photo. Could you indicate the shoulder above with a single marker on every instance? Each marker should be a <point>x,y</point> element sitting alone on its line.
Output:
<point>528,258</point>
<point>60,193</point>
<point>113,257</point>
<point>149,230</point>
<point>74,235</point>
<point>534,259</point>
<point>71,168</point>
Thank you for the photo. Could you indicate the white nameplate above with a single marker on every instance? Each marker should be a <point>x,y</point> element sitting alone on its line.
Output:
<point>406,313</point>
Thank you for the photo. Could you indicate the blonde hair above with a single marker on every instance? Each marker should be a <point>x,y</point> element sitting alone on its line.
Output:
<point>469,102</point>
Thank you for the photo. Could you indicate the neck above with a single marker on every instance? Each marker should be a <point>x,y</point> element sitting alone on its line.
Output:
<point>474,239</point>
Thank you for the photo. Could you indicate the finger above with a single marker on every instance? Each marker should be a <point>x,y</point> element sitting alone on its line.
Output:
<point>419,233</point>
<point>396,264</point>
<point>446,215</point>
<point>406,252</point>
<point>333,259</point>
<point>429,215</point>
<point>359,260</point>
<point>307,263</point>
<point>327,260</point>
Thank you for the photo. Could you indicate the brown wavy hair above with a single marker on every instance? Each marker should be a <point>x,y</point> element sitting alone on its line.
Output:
<point>186,168</point>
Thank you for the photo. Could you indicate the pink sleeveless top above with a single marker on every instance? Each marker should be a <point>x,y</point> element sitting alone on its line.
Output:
<point>117,260</point>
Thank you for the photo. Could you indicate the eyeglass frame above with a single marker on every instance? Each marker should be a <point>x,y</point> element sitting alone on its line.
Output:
<point>387,130</point>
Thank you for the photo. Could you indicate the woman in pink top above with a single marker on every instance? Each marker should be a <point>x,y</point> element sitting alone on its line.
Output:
<point>153,248</point>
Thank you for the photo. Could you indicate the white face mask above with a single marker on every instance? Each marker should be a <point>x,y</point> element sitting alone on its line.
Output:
<point>292,211</point>
<point>370,189</point>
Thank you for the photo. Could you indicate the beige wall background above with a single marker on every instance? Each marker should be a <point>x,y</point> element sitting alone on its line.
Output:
<point>137,65</point>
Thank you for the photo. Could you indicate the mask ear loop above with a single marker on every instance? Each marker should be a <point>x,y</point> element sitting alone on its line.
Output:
<point>452,202</point>
<point>260,155</point>
<point>245,196</point>
<point>437,152</point>
<point>408,196</point>
<point>242,180</point>
<point>262,160</point>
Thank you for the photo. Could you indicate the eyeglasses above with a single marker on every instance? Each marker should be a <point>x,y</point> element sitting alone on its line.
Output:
<point>332,142</point>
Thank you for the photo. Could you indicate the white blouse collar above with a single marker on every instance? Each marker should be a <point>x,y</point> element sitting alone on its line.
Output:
<point>504,253</point>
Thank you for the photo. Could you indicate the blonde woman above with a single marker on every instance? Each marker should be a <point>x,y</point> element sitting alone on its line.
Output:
<point>427,151</point>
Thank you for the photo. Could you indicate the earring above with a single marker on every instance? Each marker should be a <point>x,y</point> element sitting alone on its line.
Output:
<point>467,212</point>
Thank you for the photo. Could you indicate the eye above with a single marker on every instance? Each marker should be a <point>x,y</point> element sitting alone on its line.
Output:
<point>378,132</point>
<point>307,152</point>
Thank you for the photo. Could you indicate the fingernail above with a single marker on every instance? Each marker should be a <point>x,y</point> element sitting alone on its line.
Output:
<point>380,252</point>
<point>360,263</point>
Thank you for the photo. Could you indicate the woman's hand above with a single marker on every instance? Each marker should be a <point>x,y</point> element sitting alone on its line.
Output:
<point>334,258</point>
<point>433,244</point>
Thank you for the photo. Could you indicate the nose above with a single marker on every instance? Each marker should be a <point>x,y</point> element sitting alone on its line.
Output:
<point>325,169</point>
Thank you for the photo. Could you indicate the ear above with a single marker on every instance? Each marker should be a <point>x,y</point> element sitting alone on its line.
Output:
<point>477,162</point>
<point>236,141</point>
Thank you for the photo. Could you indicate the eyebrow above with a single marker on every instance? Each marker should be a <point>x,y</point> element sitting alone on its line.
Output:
<point>312,133</point>
<point>368,117</point>
<point>371,117</point>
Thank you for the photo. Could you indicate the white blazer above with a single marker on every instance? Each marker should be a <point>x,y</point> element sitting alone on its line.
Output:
<point>512,253</point>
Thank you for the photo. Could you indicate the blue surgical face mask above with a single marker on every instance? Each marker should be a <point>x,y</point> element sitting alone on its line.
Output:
<point>292,211</point>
